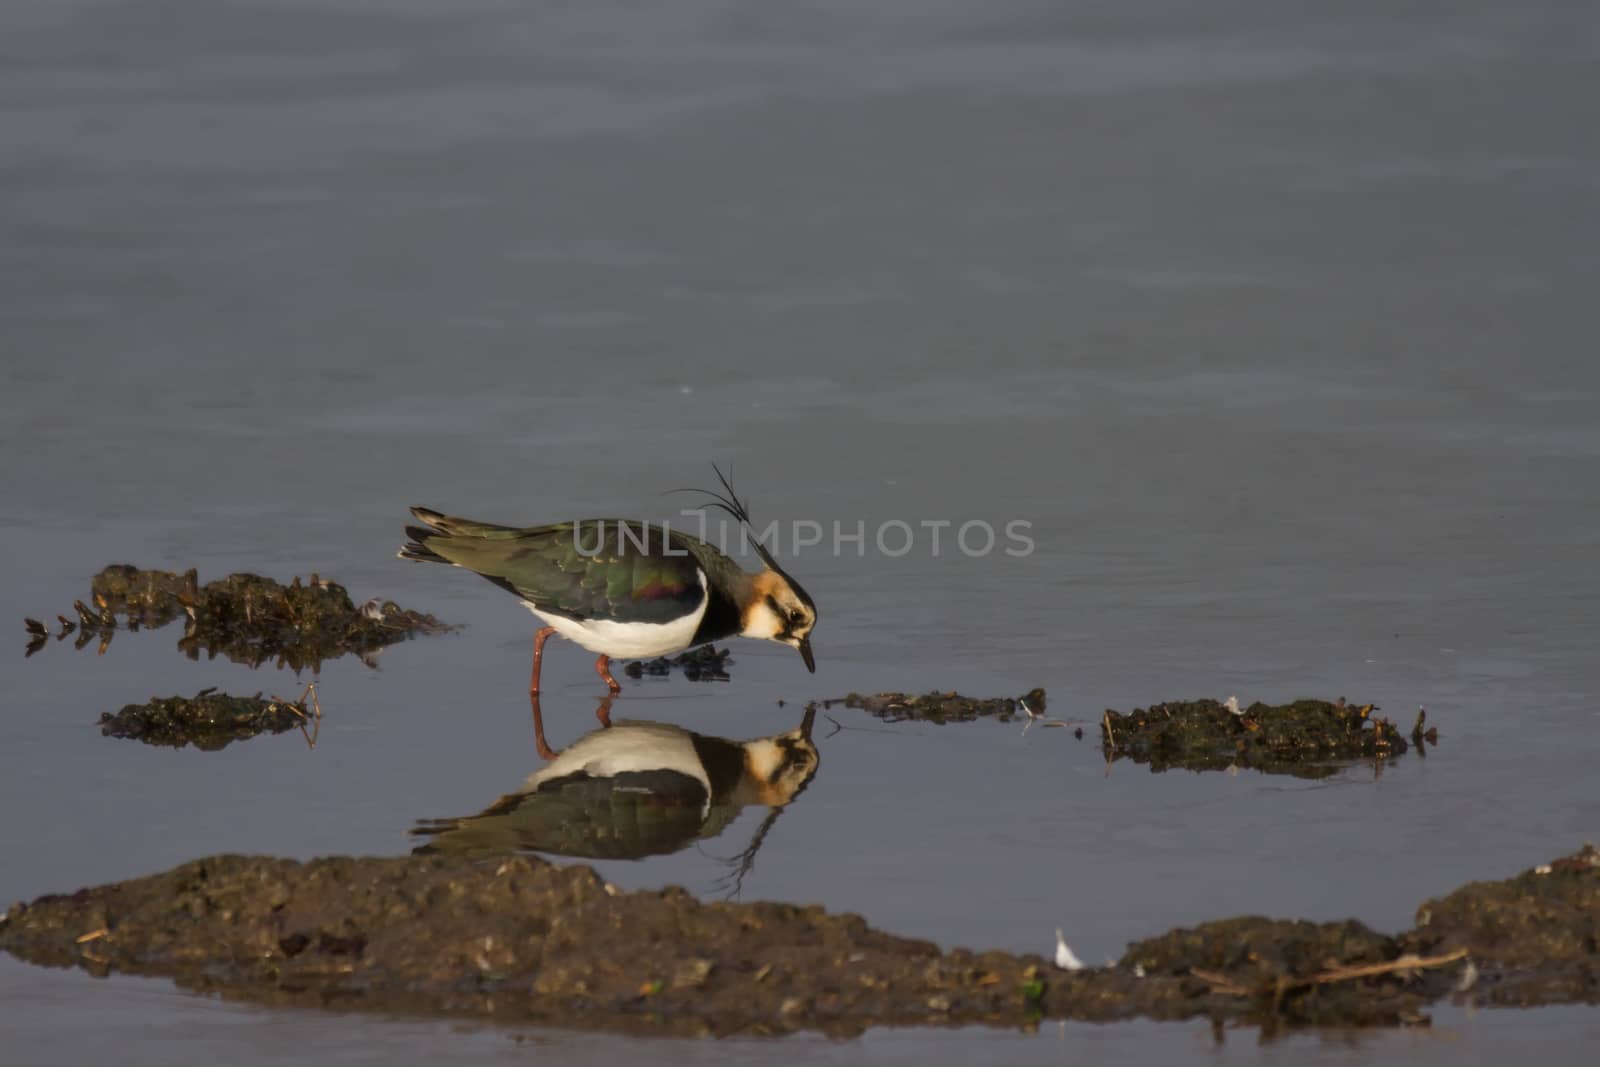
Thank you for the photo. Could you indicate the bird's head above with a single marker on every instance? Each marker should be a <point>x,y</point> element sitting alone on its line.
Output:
<point>777,609</point>
<point>774,607</point>
<point>778,768</point>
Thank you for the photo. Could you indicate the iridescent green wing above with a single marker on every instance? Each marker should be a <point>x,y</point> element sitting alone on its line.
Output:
<point>621,570</point>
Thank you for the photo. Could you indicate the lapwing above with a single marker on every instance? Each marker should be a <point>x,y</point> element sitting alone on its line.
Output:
<point>625,588</point>
<point>636,789</point>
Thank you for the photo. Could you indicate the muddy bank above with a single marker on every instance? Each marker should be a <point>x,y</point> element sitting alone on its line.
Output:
<point>515,938</point>
<point>941,708</point>
<point>1290,972</point>
<point>1307,739</point>
<point>704,664</point>
<point>247,618</point>
<point>1534,939</point>
<point>210,720</point>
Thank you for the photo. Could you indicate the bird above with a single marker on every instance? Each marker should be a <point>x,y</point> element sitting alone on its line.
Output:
<point>623,587</point>
<point>635,789</point>
<point>1066,959</point>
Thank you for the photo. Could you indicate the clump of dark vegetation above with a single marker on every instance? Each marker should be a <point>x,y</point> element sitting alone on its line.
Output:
<point>210,720</point>
<point>245,617</point>
<point>515,938</point>
<point>1308,738</point>
<point>941,708</point>
<point>704,664</point>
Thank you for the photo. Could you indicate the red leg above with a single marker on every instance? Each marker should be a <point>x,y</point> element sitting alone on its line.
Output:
<point>602,666</point>
<point>538,656</point>
<point>603,712</point>
<point>545,751</point>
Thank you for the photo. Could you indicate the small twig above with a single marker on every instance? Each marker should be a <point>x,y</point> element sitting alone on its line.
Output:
<point>316,708</point>
<point>92,935</point>
<point>837,726</point>
<point>295,707</point>
<point>1221,983</point>
<point>1105,720</point>
<point>1409,962</point>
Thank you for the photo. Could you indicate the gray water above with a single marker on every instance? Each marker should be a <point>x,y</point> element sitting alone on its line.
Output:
<point>1275,324</point>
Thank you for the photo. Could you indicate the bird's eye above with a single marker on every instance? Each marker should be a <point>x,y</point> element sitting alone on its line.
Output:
<point>797,615</point>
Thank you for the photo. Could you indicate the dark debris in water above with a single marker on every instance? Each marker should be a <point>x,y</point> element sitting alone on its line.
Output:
<point>245,617</point>
<point>1307,738</point>
<point>516,938</point>
<point>704,664</point>
<point>210,720</point>
<point>942,707</point>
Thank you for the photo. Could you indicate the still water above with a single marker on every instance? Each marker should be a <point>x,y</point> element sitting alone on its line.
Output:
<point>1274,327</point>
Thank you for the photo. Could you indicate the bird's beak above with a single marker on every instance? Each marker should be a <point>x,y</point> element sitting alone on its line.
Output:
<point>805,653</point>
<point>805,723</point>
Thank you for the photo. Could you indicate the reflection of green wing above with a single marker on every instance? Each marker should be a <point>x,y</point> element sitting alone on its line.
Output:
<point>718,819</point>
<point>628,816</point>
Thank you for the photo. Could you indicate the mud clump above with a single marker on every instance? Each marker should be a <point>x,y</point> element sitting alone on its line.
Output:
<point>516,938</point>
<point>210,720</point>
<point>245,617</point>
<point>1307,739</point>
<point>1295,972</point>
<point>942,708</point>
<point>1534,939</point>
<point>704,664</point>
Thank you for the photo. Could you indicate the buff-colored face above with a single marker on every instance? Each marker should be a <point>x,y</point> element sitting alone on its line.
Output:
<point>777,768</point>
<point>780,611</point>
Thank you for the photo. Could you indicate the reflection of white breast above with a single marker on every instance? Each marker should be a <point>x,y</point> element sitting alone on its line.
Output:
<point>627,746</point>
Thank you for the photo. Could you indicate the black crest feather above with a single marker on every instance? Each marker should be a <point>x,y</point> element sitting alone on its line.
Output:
<point>728,500</point>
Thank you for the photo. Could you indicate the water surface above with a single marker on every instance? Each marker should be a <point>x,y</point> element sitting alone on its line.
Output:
<point>1276,327</point>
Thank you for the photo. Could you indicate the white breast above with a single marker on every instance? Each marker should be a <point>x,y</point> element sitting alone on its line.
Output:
<point>629,640</point>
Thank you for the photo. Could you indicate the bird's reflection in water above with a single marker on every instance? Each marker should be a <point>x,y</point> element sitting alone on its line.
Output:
<point>634,789</point>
